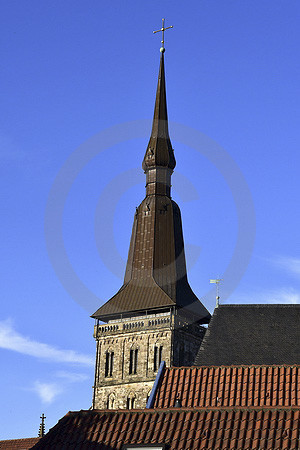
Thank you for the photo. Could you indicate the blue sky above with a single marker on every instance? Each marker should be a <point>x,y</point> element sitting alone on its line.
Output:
<point>78,85</point>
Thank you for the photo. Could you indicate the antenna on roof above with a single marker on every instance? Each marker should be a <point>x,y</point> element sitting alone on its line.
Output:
<point>42,426</point>
<point>217,282</point>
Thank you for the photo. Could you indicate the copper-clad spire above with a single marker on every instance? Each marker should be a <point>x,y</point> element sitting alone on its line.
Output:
<point>159,151</point>
<point>156,275</point>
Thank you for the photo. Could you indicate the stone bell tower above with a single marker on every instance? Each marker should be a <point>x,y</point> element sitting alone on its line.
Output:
<point>155,315</point>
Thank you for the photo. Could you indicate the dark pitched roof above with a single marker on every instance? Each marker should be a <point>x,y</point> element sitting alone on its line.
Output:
<point>180,429</point>
<point>135,297</point>
<point>18,444</point>
<point>229,386</point>
<point>252,334</point>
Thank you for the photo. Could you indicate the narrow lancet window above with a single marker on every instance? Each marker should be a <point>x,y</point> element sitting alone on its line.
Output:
<point>130,403</point>
<point>106,364</point>
<point>160,355</point>
<point>133,361</point>
<point>130,362</point>
<point>109,364</point>
<point>157,357</point>
<point>110,401</point>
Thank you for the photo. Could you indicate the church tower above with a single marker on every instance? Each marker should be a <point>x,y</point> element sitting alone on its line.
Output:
<point>155,316</point>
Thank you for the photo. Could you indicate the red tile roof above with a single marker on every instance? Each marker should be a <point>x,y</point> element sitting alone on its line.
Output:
<point>18,444</point>
<point>223,408</point>
<point>231,386</point>
<point>181,429</point>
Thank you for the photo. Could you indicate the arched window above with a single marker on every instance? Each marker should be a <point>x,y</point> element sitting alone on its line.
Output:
<point>109,363</point>
<point>131,400</point>
<point>133,360</point>
<point>111,399</point>
<point>158,349</point>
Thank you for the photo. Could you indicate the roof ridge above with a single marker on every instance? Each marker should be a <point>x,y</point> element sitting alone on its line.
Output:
<point>208,366</point>
<point>185,409</point>
<point>266,305</point>
<point>20,439</point>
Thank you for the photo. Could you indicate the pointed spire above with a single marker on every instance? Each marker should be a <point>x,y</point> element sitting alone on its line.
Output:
<point>155,276</point>
<point>159,151</point>
<point>42,426</point>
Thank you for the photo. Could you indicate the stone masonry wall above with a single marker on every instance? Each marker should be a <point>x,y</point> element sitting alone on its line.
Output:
<point>179,340</point>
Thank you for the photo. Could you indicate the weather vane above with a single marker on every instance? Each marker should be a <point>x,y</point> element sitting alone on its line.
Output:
<point>217,282</point>
<point>163,28</point>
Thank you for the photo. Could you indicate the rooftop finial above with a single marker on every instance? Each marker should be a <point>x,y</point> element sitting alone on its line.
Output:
<point>42,426</point>
<point>163,28</point>
<point>217,282</point>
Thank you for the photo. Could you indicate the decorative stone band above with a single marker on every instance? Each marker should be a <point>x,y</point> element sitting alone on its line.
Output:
<point>101,330</point>
<point>148,322</point>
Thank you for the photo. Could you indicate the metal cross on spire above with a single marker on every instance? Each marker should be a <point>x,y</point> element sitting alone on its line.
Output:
<point>163,28</point>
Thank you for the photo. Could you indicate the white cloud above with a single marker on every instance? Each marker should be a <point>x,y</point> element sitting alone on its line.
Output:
<point>47,391</point>
<point>289,264</point>
<point>285,295</point>
<point>71,376</point>
<point>10,339</point>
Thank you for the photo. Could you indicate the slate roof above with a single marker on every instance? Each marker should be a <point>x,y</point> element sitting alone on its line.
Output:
<point>252,334</point>
<point>180,429</point>
<point>18,444</point>
<point>229,386</point>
